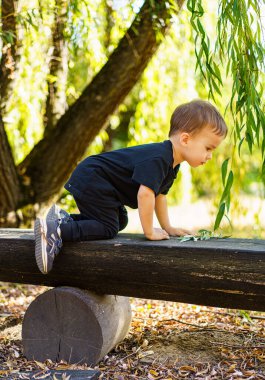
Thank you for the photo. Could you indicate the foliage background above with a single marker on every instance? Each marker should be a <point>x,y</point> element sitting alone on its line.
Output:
<point>92,33</point>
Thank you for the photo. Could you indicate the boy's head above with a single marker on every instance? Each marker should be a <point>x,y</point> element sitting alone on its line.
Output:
<point>194,116</point>
<point>196,130</point>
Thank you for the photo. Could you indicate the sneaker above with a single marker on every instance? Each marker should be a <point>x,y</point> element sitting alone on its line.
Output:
<point>48,243</point>
<point>57,213</point>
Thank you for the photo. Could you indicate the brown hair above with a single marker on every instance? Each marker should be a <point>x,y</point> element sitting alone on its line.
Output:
<point>192,117</point>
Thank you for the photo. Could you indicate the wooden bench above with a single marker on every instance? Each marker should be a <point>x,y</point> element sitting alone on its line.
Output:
<point>78,325</point>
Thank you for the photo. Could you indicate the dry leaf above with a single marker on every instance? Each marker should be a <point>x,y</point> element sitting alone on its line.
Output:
<point>153,372</point>
<point>41,365</point>
<point>187,368</point>
<point>144,354</point>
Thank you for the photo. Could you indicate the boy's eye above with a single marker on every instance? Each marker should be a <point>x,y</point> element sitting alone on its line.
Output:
<point>208,149</point>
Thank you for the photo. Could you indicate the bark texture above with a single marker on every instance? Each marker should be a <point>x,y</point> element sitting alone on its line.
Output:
<point>8,59</point>
<point>10,190</point>
<point>56,100</point>
<point>9,182</point>
<point>218,272</point>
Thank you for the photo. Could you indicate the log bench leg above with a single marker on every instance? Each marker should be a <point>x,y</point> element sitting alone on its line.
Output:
<point>74,325</point>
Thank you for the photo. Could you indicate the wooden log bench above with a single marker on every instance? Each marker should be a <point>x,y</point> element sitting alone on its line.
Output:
<point>73,323</point>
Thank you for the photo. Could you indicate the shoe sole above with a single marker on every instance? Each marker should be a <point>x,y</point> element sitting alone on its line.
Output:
<point>53,213</point>
<point>40,230</point>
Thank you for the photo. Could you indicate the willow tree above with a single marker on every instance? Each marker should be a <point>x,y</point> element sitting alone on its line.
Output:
<point>239,49</point>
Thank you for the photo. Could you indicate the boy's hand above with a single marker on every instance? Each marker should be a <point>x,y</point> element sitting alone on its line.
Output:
<point>172,231</point>
<point>158,234</point>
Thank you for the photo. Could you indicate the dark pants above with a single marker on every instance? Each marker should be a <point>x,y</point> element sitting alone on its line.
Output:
<point>95,221</point>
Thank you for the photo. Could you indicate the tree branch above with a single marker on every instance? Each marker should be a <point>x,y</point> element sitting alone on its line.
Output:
<point>56,100</point>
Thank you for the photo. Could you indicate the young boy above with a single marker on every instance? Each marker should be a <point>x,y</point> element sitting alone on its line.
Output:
<point>138,177</point>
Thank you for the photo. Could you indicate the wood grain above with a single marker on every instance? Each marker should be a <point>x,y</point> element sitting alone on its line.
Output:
<point>218,272</point>
<point>74,325</point>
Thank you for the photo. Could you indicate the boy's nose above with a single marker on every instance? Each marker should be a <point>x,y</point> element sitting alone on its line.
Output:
<point>209,156</point>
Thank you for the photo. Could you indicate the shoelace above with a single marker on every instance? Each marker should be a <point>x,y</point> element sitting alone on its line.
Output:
<point>55,244</point>
<point>65,219</point>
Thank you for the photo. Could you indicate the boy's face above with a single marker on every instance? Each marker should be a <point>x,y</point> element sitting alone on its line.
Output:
<point>198,148</point>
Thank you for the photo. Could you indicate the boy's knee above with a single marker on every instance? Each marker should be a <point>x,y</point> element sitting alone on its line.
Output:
<point>111,232</point>
<point>123,218</point>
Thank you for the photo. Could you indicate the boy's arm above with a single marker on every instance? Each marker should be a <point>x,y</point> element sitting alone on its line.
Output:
<point>161,211</point>
<point>146,205</point>
<point>163,218</point>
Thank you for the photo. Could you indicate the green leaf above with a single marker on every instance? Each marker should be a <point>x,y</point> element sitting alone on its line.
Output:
<point>186,238</point>
<point>249,141</point>
<point>224,170</point>
<point>239,146</point>
<point>217,72</point>
<point>216,87</point>
<point>245,314</point>
<point>263,171</point>
<point>200,27</point>
<point>219,216</point>
<point>228,186</point>
<point>263,147</point>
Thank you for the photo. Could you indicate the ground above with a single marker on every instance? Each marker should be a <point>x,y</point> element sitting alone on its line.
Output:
<point>167,340</point>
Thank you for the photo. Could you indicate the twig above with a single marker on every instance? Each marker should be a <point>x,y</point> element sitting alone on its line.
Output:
<point>184,323</point>
<point>237,345</point>
<point>131,354</point>
<point>233,315</point>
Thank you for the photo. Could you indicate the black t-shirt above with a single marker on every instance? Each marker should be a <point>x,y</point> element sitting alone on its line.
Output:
<point>120,173</point>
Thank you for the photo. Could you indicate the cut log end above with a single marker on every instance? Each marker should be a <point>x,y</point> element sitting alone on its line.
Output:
<point>74,325</point>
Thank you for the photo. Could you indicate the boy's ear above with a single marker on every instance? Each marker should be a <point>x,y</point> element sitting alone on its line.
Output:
<point>184,138</point>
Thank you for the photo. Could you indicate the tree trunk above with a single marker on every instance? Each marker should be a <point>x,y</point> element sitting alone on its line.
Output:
<point>10,189</point>
<point>8,59</point>
<point>56,100</point>
<point>53,159</point>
